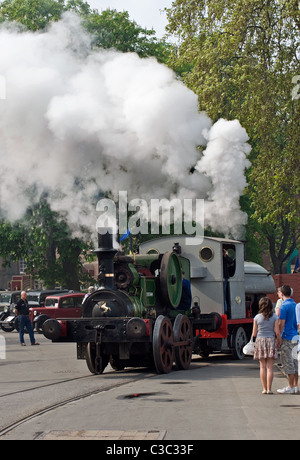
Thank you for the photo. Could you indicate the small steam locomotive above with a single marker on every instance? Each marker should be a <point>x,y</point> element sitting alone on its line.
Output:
<point>134,319</point>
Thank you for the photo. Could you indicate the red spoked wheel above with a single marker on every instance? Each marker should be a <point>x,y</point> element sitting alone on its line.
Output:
<point>163,338</point>
<point>183,333</point>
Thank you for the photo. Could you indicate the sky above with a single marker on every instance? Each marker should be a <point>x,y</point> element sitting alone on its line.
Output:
<point>146,13</point>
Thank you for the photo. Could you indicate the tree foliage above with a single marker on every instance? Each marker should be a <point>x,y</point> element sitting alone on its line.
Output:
<point>46,244</point>
<point>113,29</point>
<point>110,28</point>
<point>240,57</point>
<point>33,14</point>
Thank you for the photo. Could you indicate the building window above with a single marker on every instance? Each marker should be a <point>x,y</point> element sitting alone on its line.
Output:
<point>23,266</point>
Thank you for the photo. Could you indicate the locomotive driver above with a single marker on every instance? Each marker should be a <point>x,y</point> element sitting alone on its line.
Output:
<point>22,311</point>
<point>186,296</point>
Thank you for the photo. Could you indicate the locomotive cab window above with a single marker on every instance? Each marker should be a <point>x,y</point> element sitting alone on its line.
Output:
<point>229,263</point>
<point>206,254</point>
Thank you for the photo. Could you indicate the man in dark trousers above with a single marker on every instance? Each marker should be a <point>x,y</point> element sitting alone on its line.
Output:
<point>22,311</point>
<point>227,263</point>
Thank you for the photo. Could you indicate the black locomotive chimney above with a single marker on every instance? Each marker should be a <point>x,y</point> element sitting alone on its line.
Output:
<point>105,253</point>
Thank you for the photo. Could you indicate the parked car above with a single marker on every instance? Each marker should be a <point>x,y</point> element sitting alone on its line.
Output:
<point>40,296</point>
<point>57,306</point>
<point>8,300</point>
<point>8,318</point>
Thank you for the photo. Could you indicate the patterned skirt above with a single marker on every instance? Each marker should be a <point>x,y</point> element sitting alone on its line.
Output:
<point>265,348</point>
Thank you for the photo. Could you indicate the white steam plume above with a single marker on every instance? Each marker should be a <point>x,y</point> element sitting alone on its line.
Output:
<point>224,161</point>
<point>76,121</point>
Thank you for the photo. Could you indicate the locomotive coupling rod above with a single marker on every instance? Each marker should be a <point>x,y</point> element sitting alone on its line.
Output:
<point>169,345</point>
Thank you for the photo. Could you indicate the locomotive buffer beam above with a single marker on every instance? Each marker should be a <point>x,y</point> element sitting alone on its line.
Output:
<point>99,330</point>
<point>208,321</point>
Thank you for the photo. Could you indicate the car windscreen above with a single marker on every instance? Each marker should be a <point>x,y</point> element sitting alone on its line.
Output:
<point>5,298</point>
<point>51,302</point>
<point>33,297</point>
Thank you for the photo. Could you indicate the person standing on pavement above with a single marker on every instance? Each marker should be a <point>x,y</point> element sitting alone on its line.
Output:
<point>22,312</point>
<point>279,302</point>
<point>289,334</point>
<point>266,331</point>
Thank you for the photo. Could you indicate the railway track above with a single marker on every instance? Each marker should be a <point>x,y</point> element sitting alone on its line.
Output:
<point>47,385</point>
<point>37,380</point>
<point>76,397</point>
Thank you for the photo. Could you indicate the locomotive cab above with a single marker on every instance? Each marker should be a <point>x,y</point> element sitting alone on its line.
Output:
<point>217,287</point>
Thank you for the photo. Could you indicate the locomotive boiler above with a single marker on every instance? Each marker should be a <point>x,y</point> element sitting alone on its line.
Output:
<point>135,318</point>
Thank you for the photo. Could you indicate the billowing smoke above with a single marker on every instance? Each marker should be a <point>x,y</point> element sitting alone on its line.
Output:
<point>224,161</point>
<point>77,120</point>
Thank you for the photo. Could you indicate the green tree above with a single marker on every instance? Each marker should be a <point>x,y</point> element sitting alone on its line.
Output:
<point>113,29</point>
<point>110,28</point>
<point>240,57</point>
<point>33,14</point>
<point>46,243</point>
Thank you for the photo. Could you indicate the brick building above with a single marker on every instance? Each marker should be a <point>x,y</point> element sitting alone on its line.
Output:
<point>13,277</point>
<point>6,273</point>
<point>292,280</point>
